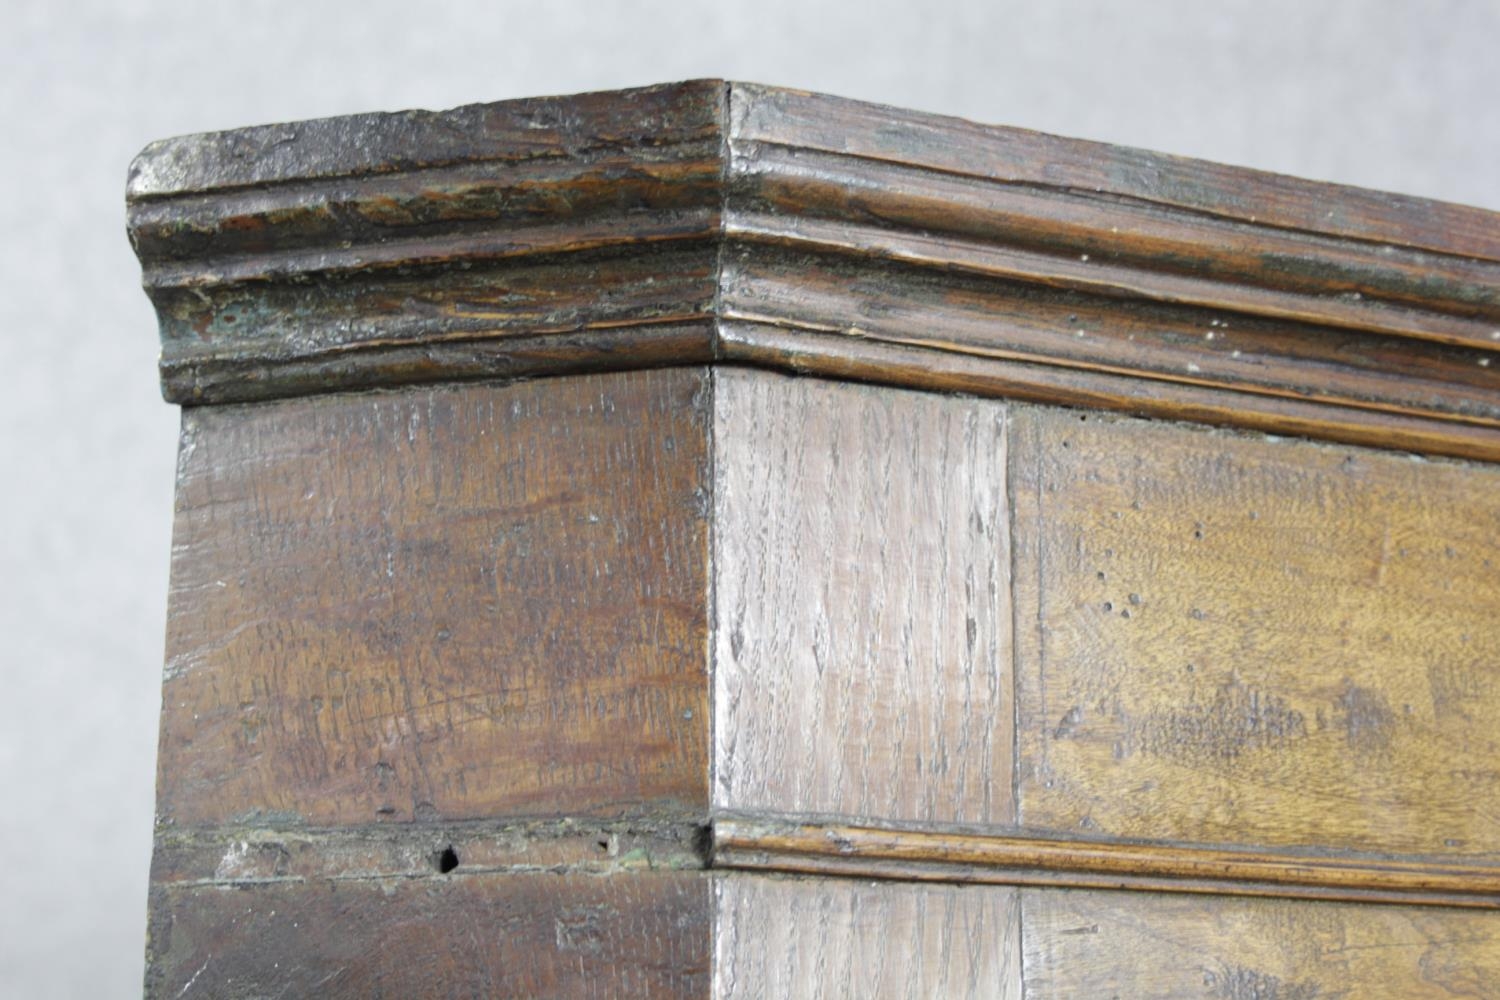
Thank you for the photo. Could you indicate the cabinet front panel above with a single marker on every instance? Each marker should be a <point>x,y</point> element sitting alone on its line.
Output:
<point>1235,639</point>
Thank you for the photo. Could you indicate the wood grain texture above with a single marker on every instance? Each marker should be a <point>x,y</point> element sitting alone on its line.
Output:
<point>475,601</point>
<point>536,935</point>
<point>601,349</point>
<point>651,120</point>
<point>1117,944</point>
<point>884,134</point>
<point>1229,639</point>
<point>862,614</point>
<point>1029,859</point>
<point>820,939</point>
<point>1088,330</point>
<point>656,226</point>
<point>1050,236</point>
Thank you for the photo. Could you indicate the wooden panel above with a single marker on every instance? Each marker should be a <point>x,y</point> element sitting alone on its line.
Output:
<point>1131,944</point>
<point>472,601</point>
<point>820,939</point>
<point>862,622</point>
<point>1238,639</point>
<point>526,935</point>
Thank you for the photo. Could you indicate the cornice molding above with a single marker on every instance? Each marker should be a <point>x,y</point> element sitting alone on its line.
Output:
<point>712,221</point>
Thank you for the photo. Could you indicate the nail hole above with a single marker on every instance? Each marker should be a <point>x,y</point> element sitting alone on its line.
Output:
<point>446,860</point>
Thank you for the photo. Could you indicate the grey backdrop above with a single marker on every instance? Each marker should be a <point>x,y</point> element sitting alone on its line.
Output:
<point>1404,96</point>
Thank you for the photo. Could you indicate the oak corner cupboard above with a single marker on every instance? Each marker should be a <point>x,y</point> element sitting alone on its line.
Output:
<point>712,540</point>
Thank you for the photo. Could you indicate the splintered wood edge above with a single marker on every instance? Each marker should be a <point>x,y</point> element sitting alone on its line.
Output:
<point>554,235</point>
<point>998,859</point>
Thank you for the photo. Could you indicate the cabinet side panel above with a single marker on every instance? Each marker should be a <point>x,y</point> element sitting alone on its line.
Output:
<point>827,938</point>
<point>1245,640</point>
<point>862,602</point>
<point>459,602</point>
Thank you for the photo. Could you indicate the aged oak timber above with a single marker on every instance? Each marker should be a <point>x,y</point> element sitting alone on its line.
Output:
<point>711,540</point>
<point>386,606</point>
<point>862,596</point>
<point>1269,642</point>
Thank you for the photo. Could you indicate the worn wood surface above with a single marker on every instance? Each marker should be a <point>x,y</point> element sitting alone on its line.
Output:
<point>820,939</point>
<point>536,935</point>
<point>862,614</point>
<point>999,246</point>
<point>797,199</point>
<point>1135,944</point>
<point>466,602</point>
<point>802,232</point>
<point>1227,639</point>
<point>654,123</point>
<point>1024,159</point>
<point>250,855</point>
<point>1168,344</point>
<point>537,236</point>
<point>934,855</point>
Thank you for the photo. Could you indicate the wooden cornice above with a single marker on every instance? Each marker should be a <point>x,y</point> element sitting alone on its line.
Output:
<point>709,221</point>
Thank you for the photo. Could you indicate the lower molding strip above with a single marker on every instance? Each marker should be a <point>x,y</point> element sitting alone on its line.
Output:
<point>866,852</point>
